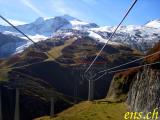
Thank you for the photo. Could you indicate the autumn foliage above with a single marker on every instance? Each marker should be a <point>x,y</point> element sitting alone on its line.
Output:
<point>156,56</point>
<point>127,73</point>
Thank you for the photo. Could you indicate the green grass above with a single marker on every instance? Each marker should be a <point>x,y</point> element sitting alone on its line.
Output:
<point>92,111</point>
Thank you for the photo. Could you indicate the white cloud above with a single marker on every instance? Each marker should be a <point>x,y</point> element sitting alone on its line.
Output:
<point>29,4</point>
<point>90,2</point>
<point>14,22</point>
<point>61,7</point>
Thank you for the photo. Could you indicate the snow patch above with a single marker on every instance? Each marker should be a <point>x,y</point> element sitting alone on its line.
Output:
<point>77,22</point>
<point>36,38</point>
<point>47,18</point>
<point>102,29</point>
<point>22,47</point>
<point>153,24</point>
<point>11,33</point>
<point>100,39</point>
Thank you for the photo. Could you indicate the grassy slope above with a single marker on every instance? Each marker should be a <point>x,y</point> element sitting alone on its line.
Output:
<point>56,51</point>
<point>92,111</point>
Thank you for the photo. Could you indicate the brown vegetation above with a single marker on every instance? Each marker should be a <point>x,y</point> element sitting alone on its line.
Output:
<point>127,73</point>
<point>155,57</point>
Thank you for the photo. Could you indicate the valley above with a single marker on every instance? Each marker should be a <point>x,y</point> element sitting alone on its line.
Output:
<point>59,78</point>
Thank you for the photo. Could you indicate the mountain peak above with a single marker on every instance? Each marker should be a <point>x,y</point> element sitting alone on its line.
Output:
<point>39,20</point>
<point>68,17</point>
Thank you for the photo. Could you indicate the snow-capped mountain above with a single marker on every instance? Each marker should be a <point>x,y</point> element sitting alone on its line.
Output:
<point>48,26</point>
<point>42,28</point>
<point>79,24</point>
<point>141,37</point>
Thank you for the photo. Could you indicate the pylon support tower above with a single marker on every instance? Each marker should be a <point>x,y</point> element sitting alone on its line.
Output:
<point>91,90</point>
<point>16,114</point>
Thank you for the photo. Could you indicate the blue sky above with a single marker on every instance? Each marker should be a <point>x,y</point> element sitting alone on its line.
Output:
<point>102,12</point>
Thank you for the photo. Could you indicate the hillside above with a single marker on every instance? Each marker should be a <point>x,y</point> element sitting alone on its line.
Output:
<point>64,73</point>
<point>136,86</point>
<point>10,45</point>
<point>92,111</point>
<point>155,57</point>
<point>79,60</point>
<point>61,74</point>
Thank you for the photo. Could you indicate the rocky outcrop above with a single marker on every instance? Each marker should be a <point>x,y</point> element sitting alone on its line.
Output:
<point>139,87</point>
<point>120,85</point>
<point>144,93</point>
<point>140,90</point>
